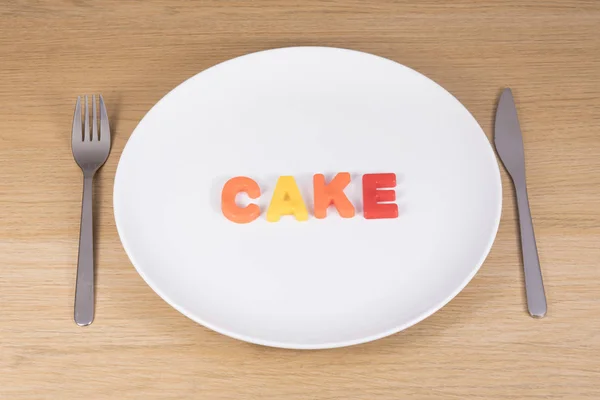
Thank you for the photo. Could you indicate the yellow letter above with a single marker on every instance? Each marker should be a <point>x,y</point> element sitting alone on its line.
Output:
<point>286,200</point>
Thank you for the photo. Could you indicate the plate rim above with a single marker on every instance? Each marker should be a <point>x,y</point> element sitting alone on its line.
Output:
<point>327,345</point>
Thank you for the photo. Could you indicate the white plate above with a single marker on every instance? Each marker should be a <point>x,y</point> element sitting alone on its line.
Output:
<point>324,282</point>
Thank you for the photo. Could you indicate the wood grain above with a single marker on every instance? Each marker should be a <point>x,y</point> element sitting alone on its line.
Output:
<point>483,345</point>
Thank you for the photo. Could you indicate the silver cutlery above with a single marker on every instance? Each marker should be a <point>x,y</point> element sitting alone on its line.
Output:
<point>90,150</point>
<point>509,145</point>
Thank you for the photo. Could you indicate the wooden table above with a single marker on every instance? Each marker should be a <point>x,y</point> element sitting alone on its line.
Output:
<point>483,345</point>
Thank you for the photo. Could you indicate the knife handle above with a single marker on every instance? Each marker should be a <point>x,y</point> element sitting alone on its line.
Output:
<point>534,285</point>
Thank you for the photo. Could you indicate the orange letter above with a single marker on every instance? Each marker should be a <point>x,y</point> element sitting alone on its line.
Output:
<point>326,195</point>
<point>232,211</point>
<point>372,198</point>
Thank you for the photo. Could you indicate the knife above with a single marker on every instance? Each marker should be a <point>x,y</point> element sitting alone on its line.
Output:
<point>509,145</point>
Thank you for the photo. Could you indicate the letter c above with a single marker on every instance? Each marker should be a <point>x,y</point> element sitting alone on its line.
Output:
<point>230,209</point>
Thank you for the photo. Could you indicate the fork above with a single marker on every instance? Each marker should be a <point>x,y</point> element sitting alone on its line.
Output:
<point>90,150</point>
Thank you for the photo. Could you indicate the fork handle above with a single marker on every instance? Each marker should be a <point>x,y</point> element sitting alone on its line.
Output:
<point>534,286</point>
<point>84,289</point>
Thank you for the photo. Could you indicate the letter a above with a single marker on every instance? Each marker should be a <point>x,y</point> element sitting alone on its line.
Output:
<point>286,200</point>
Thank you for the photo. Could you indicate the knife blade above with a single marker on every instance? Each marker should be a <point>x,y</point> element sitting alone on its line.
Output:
<point>509,145</point>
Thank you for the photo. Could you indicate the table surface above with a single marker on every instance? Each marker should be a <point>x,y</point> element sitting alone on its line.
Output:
<point>482,345</point>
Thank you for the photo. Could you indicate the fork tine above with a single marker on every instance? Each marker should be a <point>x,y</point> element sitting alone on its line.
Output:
<point>104,127</point>
<point>86,120</point>
<point>76,135</point>
<point>94,119</point>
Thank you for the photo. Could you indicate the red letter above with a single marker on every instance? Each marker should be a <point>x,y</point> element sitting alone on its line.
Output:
<point>372,197</point>
<point>325,195</point>
<point>232,211</point>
